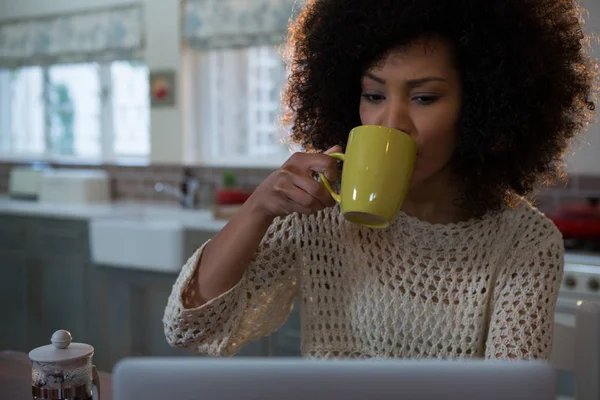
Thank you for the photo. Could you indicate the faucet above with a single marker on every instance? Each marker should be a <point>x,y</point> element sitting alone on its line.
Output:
<point>186,198</point>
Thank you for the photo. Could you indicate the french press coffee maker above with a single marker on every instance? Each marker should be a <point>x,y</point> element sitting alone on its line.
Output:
<point>63,370</point>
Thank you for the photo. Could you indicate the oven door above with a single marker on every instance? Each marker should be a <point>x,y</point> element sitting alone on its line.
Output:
<point>566,308</point>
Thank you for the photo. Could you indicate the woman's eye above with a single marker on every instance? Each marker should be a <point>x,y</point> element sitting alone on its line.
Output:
<point>425,100</point>
<point>373,97</point>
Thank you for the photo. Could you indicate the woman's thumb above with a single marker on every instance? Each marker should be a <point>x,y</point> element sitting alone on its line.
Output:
<point>334,149</point>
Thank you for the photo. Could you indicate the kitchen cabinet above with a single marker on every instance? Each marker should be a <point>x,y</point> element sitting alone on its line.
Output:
<point>12,233</point>
<point>128,316</point>
<point>13,300</point>
<point>44,263</point>
<point>193,239</point>
<point>57,265</point>
<point>129,308</point>
<point>56,298</point>
<point>49,283</point>
<point>287,342</point>
<point>13,281</point>
<point>50,237</point>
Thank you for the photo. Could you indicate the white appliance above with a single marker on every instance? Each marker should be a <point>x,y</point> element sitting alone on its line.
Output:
<point>75,186</point>
<point>581,282</point>
<point>296,379</point>
<point>581,279</point>
<point>25,181</point>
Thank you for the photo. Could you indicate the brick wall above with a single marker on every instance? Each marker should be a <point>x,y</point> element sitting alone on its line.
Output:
<point>576,190</point>
<point>137,183</point>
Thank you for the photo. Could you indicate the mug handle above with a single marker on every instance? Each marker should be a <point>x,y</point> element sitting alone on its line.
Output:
<point>334,195</point>
<point>96,381</point>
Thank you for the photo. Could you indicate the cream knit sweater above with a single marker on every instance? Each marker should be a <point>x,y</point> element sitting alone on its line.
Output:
<point>480,288</point>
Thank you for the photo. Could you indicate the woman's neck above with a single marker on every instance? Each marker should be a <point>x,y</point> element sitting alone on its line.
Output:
<point>434,200</point>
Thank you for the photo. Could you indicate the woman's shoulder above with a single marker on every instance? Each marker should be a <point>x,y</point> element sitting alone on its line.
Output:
<point>528,226</point>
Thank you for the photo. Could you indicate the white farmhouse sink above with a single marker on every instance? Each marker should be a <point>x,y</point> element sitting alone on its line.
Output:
<point>192,219</point>
<point>150,238</point>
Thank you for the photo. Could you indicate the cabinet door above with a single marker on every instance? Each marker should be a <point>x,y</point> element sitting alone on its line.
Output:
<point>153,296</point>
<point>194,239</point>
<point>287,338</point>
<point>57,285</point>
<point>149,294</point>
<point>53,236</point>
<point>57,298</point>
<point>13,301</point>
<point>97,322</point>
<point>12,232</point>
<point>131,312</point>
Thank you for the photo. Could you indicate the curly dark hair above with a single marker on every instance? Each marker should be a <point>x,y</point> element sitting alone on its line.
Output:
<point>528,85</point>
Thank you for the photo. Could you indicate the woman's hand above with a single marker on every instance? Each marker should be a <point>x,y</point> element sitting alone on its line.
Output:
<point>292,188</point>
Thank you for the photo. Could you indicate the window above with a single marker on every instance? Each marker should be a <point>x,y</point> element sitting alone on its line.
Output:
<point>73,106</point>
<point>240,105</point>
<point>130,109</point>
<point>22,111</point>
<point>85,111</point>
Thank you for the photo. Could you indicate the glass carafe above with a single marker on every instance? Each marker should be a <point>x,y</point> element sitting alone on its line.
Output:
<point>63,370</point>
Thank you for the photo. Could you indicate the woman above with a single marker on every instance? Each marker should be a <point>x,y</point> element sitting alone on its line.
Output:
<point>492,92</point>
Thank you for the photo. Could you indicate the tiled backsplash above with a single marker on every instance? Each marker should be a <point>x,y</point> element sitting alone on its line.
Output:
<point>577,189</point>
<point>137,183</point>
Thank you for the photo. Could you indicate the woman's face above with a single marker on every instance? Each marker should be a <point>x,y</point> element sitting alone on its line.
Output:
<point>416,89</point>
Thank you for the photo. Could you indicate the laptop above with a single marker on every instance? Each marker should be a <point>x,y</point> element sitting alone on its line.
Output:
<point>299,379</point>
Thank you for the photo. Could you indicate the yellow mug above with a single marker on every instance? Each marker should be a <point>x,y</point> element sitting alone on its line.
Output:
<point>378,166</point>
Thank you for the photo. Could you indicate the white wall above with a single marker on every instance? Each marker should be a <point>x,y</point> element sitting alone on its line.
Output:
<point>584,157</point>
<point>585,153</point>
<point>162,51</point>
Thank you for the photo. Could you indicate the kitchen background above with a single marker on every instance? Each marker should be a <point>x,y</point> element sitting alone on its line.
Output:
<point>100,101</point>
<point>129,132</point>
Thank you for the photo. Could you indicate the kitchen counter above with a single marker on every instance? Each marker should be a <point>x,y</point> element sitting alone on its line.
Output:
<point>75,211</point>
<point>132,211</point>
<point>136,211</point>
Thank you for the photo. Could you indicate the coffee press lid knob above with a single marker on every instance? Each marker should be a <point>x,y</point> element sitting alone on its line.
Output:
<point>61,339</point>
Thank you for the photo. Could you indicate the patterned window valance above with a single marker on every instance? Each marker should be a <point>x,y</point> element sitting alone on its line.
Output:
<point>100,35</point>
<point>213,24</point>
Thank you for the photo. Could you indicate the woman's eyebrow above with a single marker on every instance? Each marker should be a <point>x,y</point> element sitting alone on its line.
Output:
<point>375,78</point>
<point>411,82</point>
<point>421,81</point>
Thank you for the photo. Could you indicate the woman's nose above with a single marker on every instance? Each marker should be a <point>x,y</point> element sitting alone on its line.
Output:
<point>397,115</point>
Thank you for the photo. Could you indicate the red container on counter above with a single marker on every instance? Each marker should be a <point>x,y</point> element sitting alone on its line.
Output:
<point>232,196</point>
<point>578,221</point>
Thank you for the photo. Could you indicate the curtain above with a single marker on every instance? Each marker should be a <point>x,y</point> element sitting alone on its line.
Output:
<point>99,35</point>
<point>214,24</point>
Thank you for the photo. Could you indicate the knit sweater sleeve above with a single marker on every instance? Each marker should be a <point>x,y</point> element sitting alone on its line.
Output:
<point>256,306</point>
<point>525,295</point>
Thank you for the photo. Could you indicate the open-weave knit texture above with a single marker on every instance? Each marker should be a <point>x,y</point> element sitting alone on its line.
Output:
<point>482,288</point>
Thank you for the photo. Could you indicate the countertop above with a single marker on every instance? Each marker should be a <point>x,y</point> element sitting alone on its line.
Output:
<point>136,211</point>
<point>124,211</point>
<point>86,211</point>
